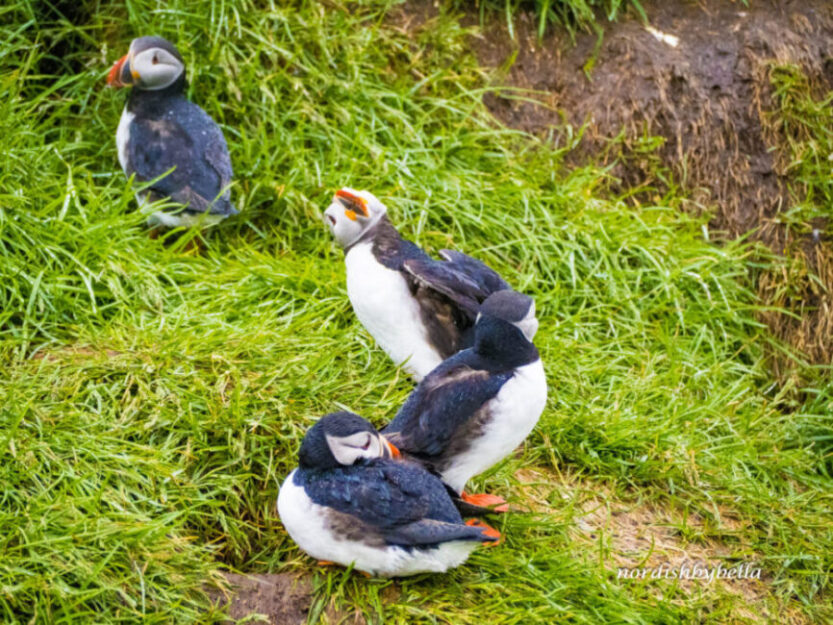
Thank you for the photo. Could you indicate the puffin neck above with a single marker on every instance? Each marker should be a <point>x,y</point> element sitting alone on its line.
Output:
<point>382,229</point>
<point>147,101</point>
<point>501,342</point>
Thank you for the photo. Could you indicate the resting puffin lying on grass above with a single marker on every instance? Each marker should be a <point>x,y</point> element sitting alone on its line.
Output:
<point>479,405</point>
<point>349,502</point>
<point>163,135</point>
<point>419,310</point>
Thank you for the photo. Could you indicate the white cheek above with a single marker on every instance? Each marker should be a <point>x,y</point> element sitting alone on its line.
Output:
<point>153,76</point>
<point>346,230</point>
<point>345,455</point>
<point>529,327</point>
<point>375,449</point>
<point>142,65</point>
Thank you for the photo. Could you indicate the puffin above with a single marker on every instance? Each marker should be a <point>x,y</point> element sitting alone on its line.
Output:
<point>351,502</point>
<point>419,310</point>
<point>167,141</point>
<point>477,406</point>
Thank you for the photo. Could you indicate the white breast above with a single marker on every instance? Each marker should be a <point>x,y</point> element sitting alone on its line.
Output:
<point>123,136</point>
<point>514,412</point>
<point>384,304</point>
<point>307,524</point>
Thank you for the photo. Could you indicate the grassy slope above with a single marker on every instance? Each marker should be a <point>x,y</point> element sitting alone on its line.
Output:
<point>152,401</point>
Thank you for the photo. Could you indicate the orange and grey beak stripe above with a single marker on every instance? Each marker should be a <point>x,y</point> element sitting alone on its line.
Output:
<point>356,201</point>
<point>116,76</point>
<point>393,450</point>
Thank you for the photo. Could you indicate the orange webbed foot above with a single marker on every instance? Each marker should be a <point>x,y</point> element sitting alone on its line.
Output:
<point>485,500</point>
<point>488,530</point>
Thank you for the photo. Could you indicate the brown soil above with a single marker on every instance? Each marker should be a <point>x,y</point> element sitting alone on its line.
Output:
<point>708,96</point>
<point>75,353</point>
<point>705,95</point>
<point>282,599</point>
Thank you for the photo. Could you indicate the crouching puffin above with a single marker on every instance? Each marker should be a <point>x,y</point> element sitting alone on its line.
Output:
<point>163,135</point>
<point>476,407</point>
<point>350,502</point>
<point>419,310</point>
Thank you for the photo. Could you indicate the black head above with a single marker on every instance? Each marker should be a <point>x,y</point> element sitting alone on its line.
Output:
<point>340,439</point>
<point>149,42</point>
<point>506,325</point>
<point>508,305</point>
<point>151,64</point>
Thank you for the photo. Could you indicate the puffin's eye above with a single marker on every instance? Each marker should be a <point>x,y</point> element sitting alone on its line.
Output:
<point>155,60</point>
<point>366,444</point>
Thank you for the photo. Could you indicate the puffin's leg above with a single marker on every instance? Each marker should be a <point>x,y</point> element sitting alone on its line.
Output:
<point>485,500</point>
<point>467,510</point>
<point>155,232</point>
<point>490,531</point>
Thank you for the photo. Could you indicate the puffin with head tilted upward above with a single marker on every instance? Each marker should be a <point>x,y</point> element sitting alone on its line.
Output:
<point>476,407</point>
<point>163,135</point>
<point>419,310</point>
<point>350,502</point>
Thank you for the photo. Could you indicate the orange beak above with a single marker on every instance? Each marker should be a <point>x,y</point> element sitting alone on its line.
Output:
<point>392,449</point>
<point>356,200</point>
<point>114,77</point>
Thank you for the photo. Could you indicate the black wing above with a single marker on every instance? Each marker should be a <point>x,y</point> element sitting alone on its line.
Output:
<point>486,277</point>
<point>403,502</point>
<point>189,145</point>
<point>444,402</point>
<point>463,279</point>
<point>429,532</point>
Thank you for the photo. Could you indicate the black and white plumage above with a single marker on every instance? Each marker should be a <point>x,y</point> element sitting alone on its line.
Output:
<point>419,310</point>
<point>479,405</point>
<point>346,504</point>
<point>163,135</point>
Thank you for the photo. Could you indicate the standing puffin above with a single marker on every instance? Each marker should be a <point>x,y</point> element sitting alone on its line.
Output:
<point>163,135</point>
<point>350,503</point>
<point>419,310</point>
<point>476,407</point>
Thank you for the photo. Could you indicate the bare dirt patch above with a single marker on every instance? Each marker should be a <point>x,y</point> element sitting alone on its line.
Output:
<point>282,599</point>
<point>696,75</point>
<point>75,353</point>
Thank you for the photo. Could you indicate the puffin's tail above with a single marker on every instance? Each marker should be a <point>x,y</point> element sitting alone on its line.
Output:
<point>222,206</point>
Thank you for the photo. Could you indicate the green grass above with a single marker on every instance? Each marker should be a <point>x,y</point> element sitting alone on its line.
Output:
<point>152,401</point>
<point>572,14</point>
<point>803,120</point>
